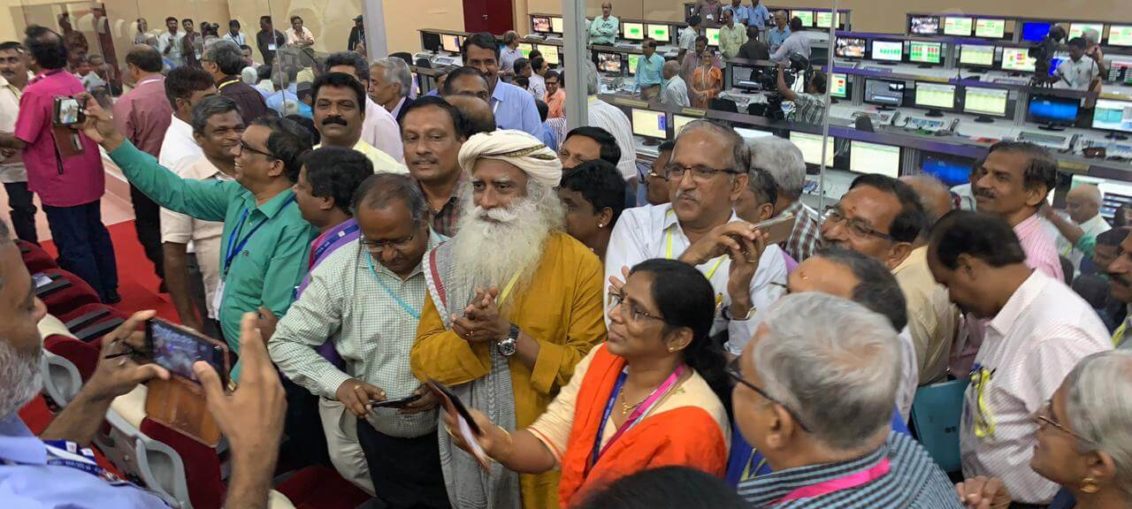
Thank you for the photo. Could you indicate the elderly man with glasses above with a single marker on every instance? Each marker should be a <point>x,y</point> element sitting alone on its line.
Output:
<point>705,177</point>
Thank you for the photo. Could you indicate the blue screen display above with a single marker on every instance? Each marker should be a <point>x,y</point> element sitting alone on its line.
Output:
<point>1034,31</point>
<point>949,171</point>
<point>1053,109</point>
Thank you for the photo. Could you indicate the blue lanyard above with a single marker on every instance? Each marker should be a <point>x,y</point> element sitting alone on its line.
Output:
<point>234,247</point>
<point>326,244</point>
<point>401,302</point>
<point>605,416</point>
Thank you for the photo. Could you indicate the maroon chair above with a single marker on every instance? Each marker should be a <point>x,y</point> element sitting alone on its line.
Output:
<point>319,487</point>
<point>35,258</point>
<point>65,292</point>
<point>90,322</point>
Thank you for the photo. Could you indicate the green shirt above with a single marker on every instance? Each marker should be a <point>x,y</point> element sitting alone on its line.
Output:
<point>270,265</point>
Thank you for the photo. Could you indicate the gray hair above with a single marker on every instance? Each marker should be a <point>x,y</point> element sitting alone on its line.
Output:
<point>848,400</point>
<point>396,71</point>
<point>209,106</point>
<point>1099,410</point>
<point>783,160</point>
<point>378,191</point>
<point>227,55</point>
<point>592,80</point>
<point>740,155</point>
<point>249,75</point>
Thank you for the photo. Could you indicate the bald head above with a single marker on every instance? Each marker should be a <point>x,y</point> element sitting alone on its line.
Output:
<point>671,68</point>
<point>476,111</point>
<point>933,194</point>
<point>1083,202</point>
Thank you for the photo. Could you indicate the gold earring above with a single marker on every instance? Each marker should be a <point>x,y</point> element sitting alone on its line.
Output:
<point>1089,485</point>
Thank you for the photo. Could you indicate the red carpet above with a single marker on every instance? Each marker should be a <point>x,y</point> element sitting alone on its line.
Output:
<point>137,284</point>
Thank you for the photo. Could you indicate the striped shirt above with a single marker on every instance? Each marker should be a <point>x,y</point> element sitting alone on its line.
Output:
<point>805,238</point>
<point>1039,246</point>
<point>913,481</point>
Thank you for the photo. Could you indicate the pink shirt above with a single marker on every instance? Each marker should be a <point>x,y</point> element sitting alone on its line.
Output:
<point>76,180</point>
<point>1039,246</point>
<point>143,115</point>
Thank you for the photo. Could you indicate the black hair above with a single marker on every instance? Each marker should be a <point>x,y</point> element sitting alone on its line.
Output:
<point>671,487</point>
<point>234,22</point>
<point>983,236</point>
<point>351,59</point>
<point>377,191</point>
<point>336,172</point>
<point>12,46</point>
<point>522,82</point>
<point>1077,42</point>
<point>293,18</point>
<point>145,57</point>
<point>1118,218</point>
<point>819,81</point>
<point>701,38</point>
<point>762,183</point>
<point>227,56</point>
<point>460,72</point>
<point>183,81</point>
<point>170,18</point>
<point>245,47</point>
<point>520,64</point>
<point>609,150</point>
<point>876,289</point>
<point>341,79</point>
<point>667,146</point>
<point>600,183</point>
<point>685,298</point>
<point>695,20</point>
<point>287,142</point>
<point>190,20</point>
<point>537,63</point>
<point>46,47</point>
<point>265,18</point>
<point>1042,168</point>
<point>459,123</point>
<point>214,105</point>
<point>308,124</point>
<point>795,24</point>
<point>1112,237</point>
<point>482,40</point>
<point>553,74</point>
<point>911,221</point>
<point>543,110</point>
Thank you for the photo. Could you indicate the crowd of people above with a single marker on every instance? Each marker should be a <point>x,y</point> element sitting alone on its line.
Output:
<point>615,352</point>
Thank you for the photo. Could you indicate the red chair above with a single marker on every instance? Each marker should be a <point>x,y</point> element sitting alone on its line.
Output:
<point>319,487</point>
<point>90,322</point>
<point>83,355</point>
<point>200,467</point>
<point>35,258</point>
<point>66,292</point>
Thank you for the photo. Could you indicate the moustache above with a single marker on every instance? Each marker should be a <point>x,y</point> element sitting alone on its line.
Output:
<point>982,191</point>
<point>1121,279</point>
<point>334,120</point>
<point>498,214</point>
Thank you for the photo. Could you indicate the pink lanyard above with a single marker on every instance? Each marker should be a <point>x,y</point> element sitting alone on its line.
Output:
<point>852,480</point>
<point>637,414</point>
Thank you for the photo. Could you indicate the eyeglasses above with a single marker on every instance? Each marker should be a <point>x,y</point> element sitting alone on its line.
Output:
<point>733,371</point>
<point>1044,415</point>
<point>700,173</point>
<point>655,175</point>
<point>635,313</point>
<point>857,227</point>
<point>378,246</point>
<point>244,146</point>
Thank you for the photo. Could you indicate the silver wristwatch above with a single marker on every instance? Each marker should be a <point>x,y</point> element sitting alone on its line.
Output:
<point>508,346</point>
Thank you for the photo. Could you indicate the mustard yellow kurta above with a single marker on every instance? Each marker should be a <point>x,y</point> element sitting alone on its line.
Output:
<point>562,309</point>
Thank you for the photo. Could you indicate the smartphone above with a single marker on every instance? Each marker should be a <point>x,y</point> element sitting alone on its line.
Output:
<point>447,396</point>
<point>176,348</point>
<point>395,403</point>
<point>466,426</point>
<point>778,229</point>
<point>68,111</point>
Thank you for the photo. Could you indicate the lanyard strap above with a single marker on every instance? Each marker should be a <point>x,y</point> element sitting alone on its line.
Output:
<point>638,413</point>
<point>984,418</point>
<point>668,254</point>
<point>400,302</point>
<point>234,248</point>
<point>841,483</point>
<point>507,289</point>
<point>330,241</point>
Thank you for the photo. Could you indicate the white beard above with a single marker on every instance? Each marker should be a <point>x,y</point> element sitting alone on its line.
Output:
<point>20,378</point>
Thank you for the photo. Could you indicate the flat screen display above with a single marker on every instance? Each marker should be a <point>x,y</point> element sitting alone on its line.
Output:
<point>1053,110</point>
<point>807,17</point>
<point>839,85</point>
<point>609,62</point>
<point>1120,35</point>
<point>634,61</point>
<point>1017,59</point>
<point>450,43</point>
<point>935,96</point>
<point>867,157</point>
<point>1079,29</point>
<point>661,33</point>
<point>540,24</point>
<point>958,26</point>
<point>922,52</point>
<point>888,51</point>
<point>1113,115</point>
<point>712,35</point>
<point>549,53</point>
<point>825,19</point>
<point>525,49</point>
<point>633,31</point>
<point>1034,31</point>
<point>884,93</point>
<point>950,170</point>
<point>924,25</point>
<point>679,121</point>
<point>990,28</point>
<point>811,147</point>
<point>985,101</point>
<point>650,124</point>
<point>556,25</point>
<point>849,47</point>
<point>976,55</point>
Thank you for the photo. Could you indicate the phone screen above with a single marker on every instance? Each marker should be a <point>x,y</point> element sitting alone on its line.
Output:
<point>68,111</point>
<point>176,349</point>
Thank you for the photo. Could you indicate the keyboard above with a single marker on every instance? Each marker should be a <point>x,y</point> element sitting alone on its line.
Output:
<point>626,45</point>
<point>1011,81</point>
<point>1058,142</point>
<point>444,61</point>
<point>923,124</point>
<point>879,118</point>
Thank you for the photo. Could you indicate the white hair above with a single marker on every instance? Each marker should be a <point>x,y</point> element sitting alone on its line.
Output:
<point>21,377</point>
<point>395,70</point>
<point>249,75</point>
<point>848,399</point>
<point>1099,409</point>
<point>592,79</point>
<point>782,160</point>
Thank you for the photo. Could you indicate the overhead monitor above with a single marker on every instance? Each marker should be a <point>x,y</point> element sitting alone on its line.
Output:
<point>923,25</point>
<point>712,35</point>
<point>1113,115</point>
<point>450,43</point>
<point>950,170</point>
<point>549,53</point>
<point>556,25</point>
<point>661,33</point>
<point>888,51</point>
<point>1034,31</point>
<point>989,102</point>
<point>750,134</point>
<point>430,41</point>
<point>873,158</point>
<point>807,17</point>
<point>959,26</point>
<point>679,121</point>
<point>975,55</point>
<point>849,47</point>
<point>608,62</point>
<point>839,85</point>
<point>633,31</point>
<point>935,97</point>
<point>990,28</point>
<point>634,60</point>
<point>884,93</point>
<point>650,124</point>
<point>826,19</point>
<point>1120,35</point>
<point>1079,29</point>
<point>811,147</point>
<point>922,52</point>
<point>540,24</point>
<point>1053,111</point>
<point>1017,59</point>
<point>525,49</point>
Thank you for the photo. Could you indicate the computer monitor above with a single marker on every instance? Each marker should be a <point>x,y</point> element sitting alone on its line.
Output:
<point>1079,29</point>
<point>556,25</point>
<point>540,24</point>
<point>1017,59</point>
<point>525,49</point>
<point>650,124</point>
<point>826,19</point>
<point>975,55</point>
<point>1120,71</point>
<point>849,47</point>
<point>712,35</point>
<point>839,85</point>
<point>990,28</point>
<point>430,41</point>
<point>549,53</point>
<point>633,31</point>
<point>450,43</point>
<point>608,62</point>
<point>927,53</point>
<point>959,26</point>
<point>1113,116</point>
<point>985,102</point>
<point>888,51</point>
<point>743,76</point>
<point>811,147</point>
<point>867,157</point>
<point>1120,35</point>
<point>679,121</point>
<point>750,134</point>
<point>950,170</point>
<point>634,60</point>
<point>1034,31</point>
<point>884,93</point>
<point>661,33</point>
<point>935,97</point>
<point>1053,112</point>
<point>923,25</point>
<point>807,17</point>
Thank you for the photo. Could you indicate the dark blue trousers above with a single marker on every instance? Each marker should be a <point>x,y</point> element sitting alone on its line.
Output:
<point>84,245</point>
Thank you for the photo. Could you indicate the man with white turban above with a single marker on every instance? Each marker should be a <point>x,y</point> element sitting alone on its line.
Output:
<point>513,304</point>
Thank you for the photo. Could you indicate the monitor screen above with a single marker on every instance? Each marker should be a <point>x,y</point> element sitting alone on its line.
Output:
<point>679,121</point>
<point>1120,35</point>
<point>633,31</point>
<point>1113,115</point>
<point>1079,29</point>
<point>634,61</point>
<point>661,33</point>
<point>839,85</point>
<point>540,24</point>
<point>608,62</point>
<point>742,76</point>
<point>549,53</point>
<point>650,124</point>
<point>922,52</point>
<point>811,147</point>
<point>923,25</point>
<point>1120,71</point>
<point>824,19</point>
<point>1053,110</point>
<point>976,56</point>
<point>556,25</point>
<point>990,28</point>
<point>849,47</point>
<point>888,51</point>
<point>872,158</point>
<point>958,26</point>
<point>936,96</point>
<point>950,170</point>
<point>1034,31</point>
<point>525,49</point>
<point>712,35</point>
<point>1017,59</point>
<point>885,93</point>
<point>985,101</point>
<point>450,43</point>
<point>430,41</point>
<point>807,17</point>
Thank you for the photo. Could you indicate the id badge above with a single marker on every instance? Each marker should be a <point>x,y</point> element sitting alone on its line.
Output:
<point>271,47</point>
<point>218,298</point>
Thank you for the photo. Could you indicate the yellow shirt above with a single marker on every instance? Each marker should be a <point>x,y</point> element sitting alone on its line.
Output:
<point>563,311</point>
<point>382,162</point>
<point>932,319</point>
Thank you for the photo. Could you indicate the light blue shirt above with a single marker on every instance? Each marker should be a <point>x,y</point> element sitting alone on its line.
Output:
<point>514,108</point>
<point>27,481</point>
<point>741,13</point>
<point>759,15</point>
<point>776,37</point>
<point>547,137</point>
<point>648,70</point>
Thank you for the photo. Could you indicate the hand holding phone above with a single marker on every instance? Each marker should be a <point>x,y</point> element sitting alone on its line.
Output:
<point>68,111</point>
<point>461,424</point>
<point>176,348</point>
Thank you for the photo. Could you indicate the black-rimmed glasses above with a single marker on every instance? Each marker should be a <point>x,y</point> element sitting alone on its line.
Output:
<point>857,227</point>
<point>700,173</point>
<point>635,312</point>
<point>737,375</point>
<point>244,146</point>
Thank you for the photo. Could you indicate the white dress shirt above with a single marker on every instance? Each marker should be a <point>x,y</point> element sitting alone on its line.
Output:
<point>11,169</point>
<point>612,119</point>
<point>687,39</point>
<point>381,130</point>
<point>537,87</point>
<point>653,231</point>
<point>675,93</point>
<point>1037,337</point>
<point>909,375</point>
<point>204,236</point>
<point>1077,75</point>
